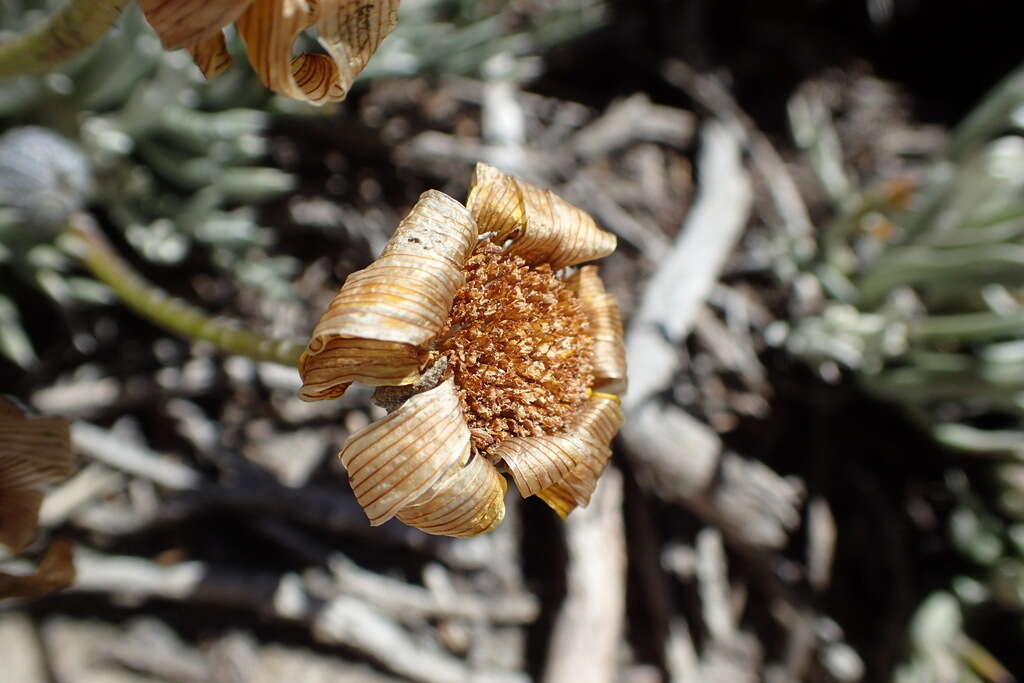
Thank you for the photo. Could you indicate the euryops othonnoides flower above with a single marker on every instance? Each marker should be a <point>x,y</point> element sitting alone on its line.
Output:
<point>491,353</point>
<point>350,32</point>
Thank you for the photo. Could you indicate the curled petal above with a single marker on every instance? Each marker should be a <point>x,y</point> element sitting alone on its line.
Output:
<point>397,459</point>
<point>602,311</point>
<point>468,501</point>
<point>560,499</point>
<point>33,450</point>
<point>543,227</point>
<point>55,572</point>
<point>383,316</point>
<point>349,30</point>
<point>19,517</point>
<point>181,23</point>
<point>211,55</point>
<point>340,362</point>
<point>567,465</point>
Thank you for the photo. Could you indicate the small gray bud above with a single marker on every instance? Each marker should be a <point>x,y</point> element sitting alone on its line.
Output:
<point>44,178</point>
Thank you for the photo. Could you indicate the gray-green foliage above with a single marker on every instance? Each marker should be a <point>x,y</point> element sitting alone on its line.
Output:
<point>930,314</point>
<point>177,163</point>
<point>174,162</point>
<point>458,37</point>
<point>925,304</point>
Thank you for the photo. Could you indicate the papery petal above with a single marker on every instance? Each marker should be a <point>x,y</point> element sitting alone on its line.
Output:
<point>559,498</point>
<point>602,311</point>
<point>543,227</point>
<point>55,572</point>
<point>349,30</point>
<point>19,517</point>
<point>383,316</point>
<point>182,23</point>
<point>33,450</point>
<point>397,459</point>
<point>565,465</point>
<point>211,55</point>
<point>341,361</point>
<point>468,501</point>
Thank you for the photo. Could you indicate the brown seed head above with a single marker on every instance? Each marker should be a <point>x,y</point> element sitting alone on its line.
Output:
<point>519,346</point>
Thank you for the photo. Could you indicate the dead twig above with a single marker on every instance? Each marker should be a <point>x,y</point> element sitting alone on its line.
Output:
<point>585,643</point>
<point>345,620</point>
<point>677,455</point>
<point>407,601</point>
<point>793,218</point>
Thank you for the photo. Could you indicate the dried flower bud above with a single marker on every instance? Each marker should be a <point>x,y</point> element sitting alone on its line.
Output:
<point>44,178</point>
<point>500,364</point>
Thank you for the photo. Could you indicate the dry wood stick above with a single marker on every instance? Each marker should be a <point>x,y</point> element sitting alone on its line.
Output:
<point>678,456</point>
<point>588,631</point>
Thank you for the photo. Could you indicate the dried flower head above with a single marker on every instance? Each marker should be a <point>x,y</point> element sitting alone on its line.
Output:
<point>487,355</point>
<point>350,31</point>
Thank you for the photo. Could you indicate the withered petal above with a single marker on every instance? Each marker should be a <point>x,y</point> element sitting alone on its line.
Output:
<point>341,361</point>
<point>602,311</point>
<point>383,316</point>
<point>183,23</point>
<point>19,517</point>
<point>33,451</point>
<point>349,30</point>
<point>543,227</point>
<point>565,466</point>
<point>469,500</point>
<point>397,459</point>
<point>211,55</point>
<point>559,498</point>
<point>54,573</point>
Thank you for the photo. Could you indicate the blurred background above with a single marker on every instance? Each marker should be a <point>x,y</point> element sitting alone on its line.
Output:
<point>820,214</point>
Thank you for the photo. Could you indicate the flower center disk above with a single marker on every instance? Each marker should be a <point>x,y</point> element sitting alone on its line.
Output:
<point>519,346</point>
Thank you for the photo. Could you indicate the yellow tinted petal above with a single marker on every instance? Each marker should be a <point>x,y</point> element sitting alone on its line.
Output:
<point>397,459</point>
<point>602,311</point>
<point>182,23</point>
<point>543,227</point>
<point>469,500</point>
<point>567,465</point>
<point>559,498</point>
<point>385,314</point>
<point>349,30</point>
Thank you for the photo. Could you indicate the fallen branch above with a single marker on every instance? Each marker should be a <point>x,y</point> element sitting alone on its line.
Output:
<point>588,630</point>
<point>346,620</point>
<point>676,455</point>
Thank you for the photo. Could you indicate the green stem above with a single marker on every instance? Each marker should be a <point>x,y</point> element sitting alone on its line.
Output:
<point>981,326</point>
<point>174,315</point>
<point>66,33</point>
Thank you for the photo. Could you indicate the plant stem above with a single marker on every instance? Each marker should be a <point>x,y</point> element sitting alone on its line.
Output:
<point>63,35</point>
<point>174,315</point>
